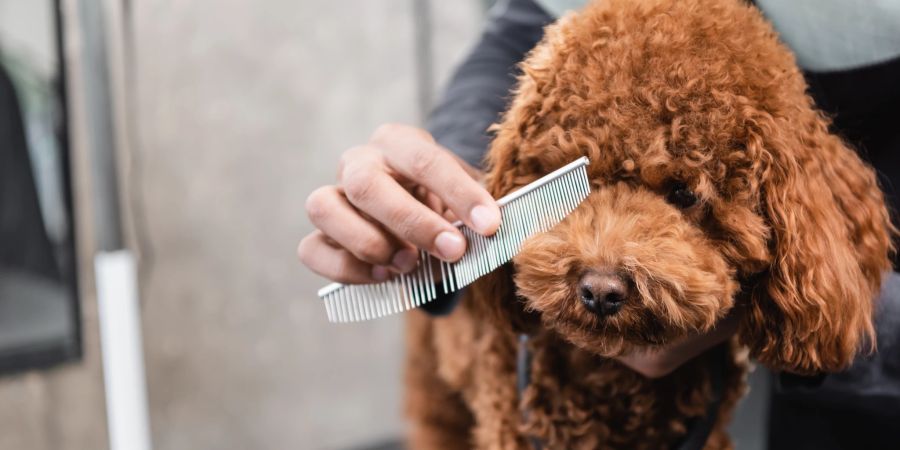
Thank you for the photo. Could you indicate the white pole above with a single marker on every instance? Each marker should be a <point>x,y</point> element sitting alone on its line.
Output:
<point>123,356</point>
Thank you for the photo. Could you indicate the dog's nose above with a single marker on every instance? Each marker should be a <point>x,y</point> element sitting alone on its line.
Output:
<point>603,292</point>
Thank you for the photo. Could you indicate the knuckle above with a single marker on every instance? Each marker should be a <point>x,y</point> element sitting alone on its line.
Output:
<point>409,225</point>
<point>351,157</point>
<point>347,158</point>
<point>373,249</point>
<point>387,130</point>
<point>316,204</point>
<point>343,266</point>
<point>423,163</point>
<point>352,153</point>
<point>303,250</point>
<point>424,134</point>
<point>359,185</point>
<point>459,194</point>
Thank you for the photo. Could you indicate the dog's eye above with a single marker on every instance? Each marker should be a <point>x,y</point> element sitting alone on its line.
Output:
<point>681,196</point>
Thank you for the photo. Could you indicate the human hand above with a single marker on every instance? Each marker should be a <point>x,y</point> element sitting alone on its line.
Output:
<point>661,362</point>
<point>393,195</point>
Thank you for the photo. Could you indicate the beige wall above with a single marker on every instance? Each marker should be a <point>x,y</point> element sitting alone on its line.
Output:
<point>242,109</point>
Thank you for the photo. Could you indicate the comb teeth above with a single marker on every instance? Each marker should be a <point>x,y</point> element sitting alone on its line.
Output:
<point>532,209</point>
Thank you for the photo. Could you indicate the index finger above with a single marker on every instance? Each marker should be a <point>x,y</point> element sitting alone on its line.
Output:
<point>430,165</point>
<point>378,195</point>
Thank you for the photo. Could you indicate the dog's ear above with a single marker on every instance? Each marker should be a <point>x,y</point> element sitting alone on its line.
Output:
<point>514,160</point>
<point>830,245</point>
<point>518,153</point>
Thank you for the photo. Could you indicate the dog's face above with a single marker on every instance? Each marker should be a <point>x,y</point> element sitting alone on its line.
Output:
<point>715,184</point>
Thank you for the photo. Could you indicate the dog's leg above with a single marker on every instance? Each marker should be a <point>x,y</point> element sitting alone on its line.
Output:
<point>438,414</point>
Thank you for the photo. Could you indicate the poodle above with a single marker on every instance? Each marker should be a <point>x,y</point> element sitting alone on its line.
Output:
<point>717,191</point>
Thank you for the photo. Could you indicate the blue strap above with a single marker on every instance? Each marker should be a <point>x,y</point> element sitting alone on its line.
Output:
<point>523,379</point>
<point>702,427</point>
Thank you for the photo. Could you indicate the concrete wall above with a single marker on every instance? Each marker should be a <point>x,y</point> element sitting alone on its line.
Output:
<point>242,109</point>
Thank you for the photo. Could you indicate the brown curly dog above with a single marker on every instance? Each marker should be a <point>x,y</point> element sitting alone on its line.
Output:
<point>717,190</point>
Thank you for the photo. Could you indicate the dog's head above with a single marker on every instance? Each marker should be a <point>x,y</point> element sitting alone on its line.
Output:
<point>716,184</point>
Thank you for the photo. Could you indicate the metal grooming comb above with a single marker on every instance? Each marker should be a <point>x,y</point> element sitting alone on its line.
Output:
<point>533,208</point>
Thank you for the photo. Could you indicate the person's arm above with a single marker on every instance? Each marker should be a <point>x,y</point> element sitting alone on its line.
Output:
<point>391,190</point>
<point>480,88</point>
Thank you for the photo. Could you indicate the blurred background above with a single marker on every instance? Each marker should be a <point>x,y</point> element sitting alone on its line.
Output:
<point>196,130</point>
<point>189,134</point>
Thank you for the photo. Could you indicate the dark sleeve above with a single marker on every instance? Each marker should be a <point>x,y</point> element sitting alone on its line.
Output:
<point>479,90</point>
<point>856,408</point>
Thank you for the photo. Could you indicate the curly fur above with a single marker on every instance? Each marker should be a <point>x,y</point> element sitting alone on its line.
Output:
<point>790,227</point>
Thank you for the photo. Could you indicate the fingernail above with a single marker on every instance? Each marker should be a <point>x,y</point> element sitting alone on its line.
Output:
<point>380,273</point>
<point>405,260</point>
<point>484,218</point>
<point>449,245</point>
